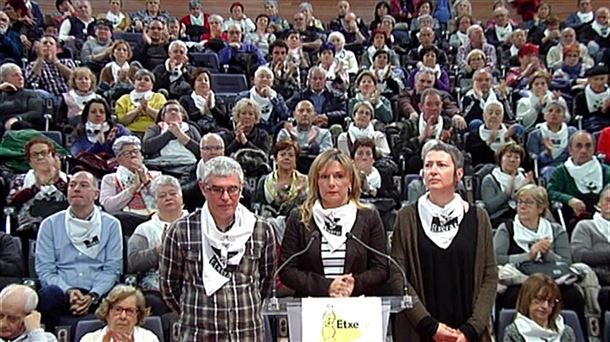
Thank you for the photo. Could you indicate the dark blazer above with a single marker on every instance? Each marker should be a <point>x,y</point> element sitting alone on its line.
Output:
<point>305,274</point>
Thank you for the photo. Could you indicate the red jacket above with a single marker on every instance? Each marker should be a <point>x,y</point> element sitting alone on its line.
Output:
<point>603,145</point>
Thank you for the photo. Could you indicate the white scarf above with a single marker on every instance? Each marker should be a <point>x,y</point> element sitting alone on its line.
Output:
<point>525,237</point>
<point>155,230</point>
<point>136,96</point>
<point>441,225</point>
<point>30,180</point>
<point>372,49</point>
<point>264,102</point>
<point>602,225</point>
<point>438,128</point>
<point>504,179</point>
<point>81,100</point>
<point>485,134</point>
<point>491,96</point>
<point>602,31</point>
<point>175,73</point>
<point>558,139</point>
<point>463,37</point>
<point>587,177</point>
<point>197,21</point>
<point>356,133</point>
<point>595,101</point>
<point>174,149</point>
<point>115,19</point>
<point>202,102</point>
<point>532,332</point>
<point>230,244</point>
<point>335,223</point>
<point>585,17</point>
<point>502,33</point>
<point>85,235</point>
<point>92,130</point>
<point>115,68</point>
<point>514,51</point>
<point>374,179</point>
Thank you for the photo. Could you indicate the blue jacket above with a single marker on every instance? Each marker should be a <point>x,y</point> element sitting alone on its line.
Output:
<point>81,143</point>
<point>535,144</point>
<point>10,46</point>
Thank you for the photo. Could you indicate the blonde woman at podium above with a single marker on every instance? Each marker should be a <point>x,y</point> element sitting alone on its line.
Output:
<point>334,265</point>
<point>445,246</point>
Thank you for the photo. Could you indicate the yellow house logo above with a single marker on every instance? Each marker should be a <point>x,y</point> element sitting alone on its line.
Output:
<point>336,329</point>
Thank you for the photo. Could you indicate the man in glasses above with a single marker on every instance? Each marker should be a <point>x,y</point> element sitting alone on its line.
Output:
<point>217,264</point>
<point>90,258</point>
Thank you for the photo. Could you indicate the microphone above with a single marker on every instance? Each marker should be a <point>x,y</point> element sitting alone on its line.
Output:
<point>407,300</point>
<point>274,304</point>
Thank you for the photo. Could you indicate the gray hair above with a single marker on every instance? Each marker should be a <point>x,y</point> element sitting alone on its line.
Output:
<point>222,166</point>
<point>472,28</point>
<point>500,10</point>
<point>337,34</point>
<point>305,6</point>
<point>121,142</point>
<point>165,180</point>
<point>262,69</point>
<point>481,71</point>
<point>424,17</point>
<point>209,136</point>
<point>390,18</point>
<point>144,72</point>
<point>314,69</point>
<point>425,70</point>
<point>579,132</point>
<point>194,4</point>
<point>6,68</point>
<point>456,156</point>
<point>234,25</point>
<point>490,103</point>
<point>430,92</point>
<point>30,298</point>
<point>272,2</point>
<point>216,17</point>
<point>179,43</point>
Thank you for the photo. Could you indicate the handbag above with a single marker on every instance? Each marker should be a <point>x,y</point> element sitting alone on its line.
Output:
<point>555,270</point>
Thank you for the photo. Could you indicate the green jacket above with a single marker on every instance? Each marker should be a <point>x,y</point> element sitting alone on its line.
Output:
<point>562,188</point>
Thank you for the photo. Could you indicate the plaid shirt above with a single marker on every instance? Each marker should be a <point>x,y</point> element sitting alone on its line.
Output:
<point>51,78</point>
<point>233,313</point>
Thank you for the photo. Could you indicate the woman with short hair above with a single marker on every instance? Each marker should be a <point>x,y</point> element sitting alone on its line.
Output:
<point>530,108</point>
<point>368,91</point>
<point>202,105</point>
<point>442,240</point>
<point>123,311</point>
<point>247,134</point>
<point>332,209</point>
<point>362,127</point>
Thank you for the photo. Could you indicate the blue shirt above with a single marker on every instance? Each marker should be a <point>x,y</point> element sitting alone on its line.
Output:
<point>227,52</point>
<point>59,263</point>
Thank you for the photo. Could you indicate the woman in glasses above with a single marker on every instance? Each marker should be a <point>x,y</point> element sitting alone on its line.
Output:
<point>96,132</point>
<point>124,311</point>
<point>531,237</point>
<point>334,266</point>
<point>538,308</point>
<point>172,144</point>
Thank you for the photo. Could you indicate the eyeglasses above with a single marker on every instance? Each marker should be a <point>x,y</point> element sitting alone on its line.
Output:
<point>212,148</point>
<point>550,302</point>
<point>234,32</point>
<point>232,190</point>
<point>130,153</point>
<point>118,310</point>
<point>526,202</point>
<point>41,154</point>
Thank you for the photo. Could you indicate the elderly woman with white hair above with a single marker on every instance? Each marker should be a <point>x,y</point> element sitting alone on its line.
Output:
<point>347,58</point>
<point>247,133</point>
<point>488,137</point>
<point>17,104</point>
<point>145,243</point>
<point>174,74</point>
<point>273,109</point>
<point>128,190</point>
<point>123,311</point>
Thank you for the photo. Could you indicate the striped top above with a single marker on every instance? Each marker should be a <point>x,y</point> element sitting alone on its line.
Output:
<point>332,262</point>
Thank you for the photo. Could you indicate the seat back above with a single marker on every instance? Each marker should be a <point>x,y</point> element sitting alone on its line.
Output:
<point>132,38</point>
<point>56,136</point>
<point>206,60</point>
<point>84,327</point>
<point>569,316</point>
<point>607,327</point>
<point>228,85</point>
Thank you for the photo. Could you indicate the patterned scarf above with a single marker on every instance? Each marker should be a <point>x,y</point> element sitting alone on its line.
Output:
<point>441,224</point>
<point>335,223</point>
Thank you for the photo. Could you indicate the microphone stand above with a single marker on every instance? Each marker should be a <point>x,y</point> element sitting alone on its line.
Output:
<point>274,303</point>
<point>407,300</point>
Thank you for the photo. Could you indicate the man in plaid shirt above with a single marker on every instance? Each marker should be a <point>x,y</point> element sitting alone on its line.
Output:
<point>217,264</point>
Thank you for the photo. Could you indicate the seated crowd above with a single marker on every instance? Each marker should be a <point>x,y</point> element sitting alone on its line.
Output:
<point>119,140</point>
